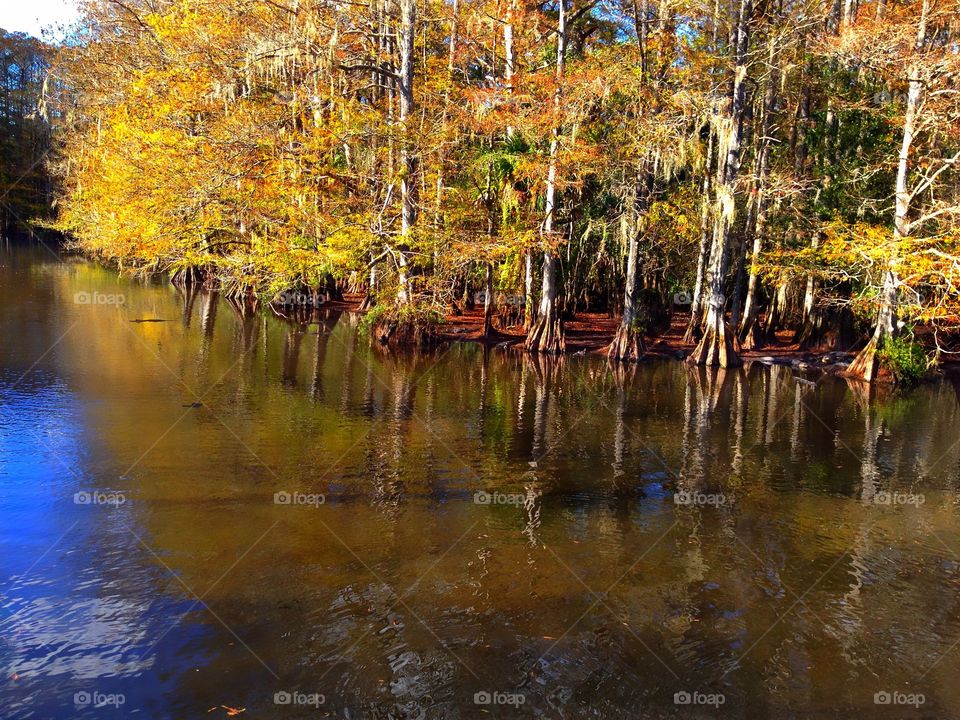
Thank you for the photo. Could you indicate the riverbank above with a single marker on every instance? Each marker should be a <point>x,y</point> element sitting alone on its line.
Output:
<point>591,334</point>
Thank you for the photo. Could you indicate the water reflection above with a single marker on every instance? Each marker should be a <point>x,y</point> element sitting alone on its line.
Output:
<point>798,578</point>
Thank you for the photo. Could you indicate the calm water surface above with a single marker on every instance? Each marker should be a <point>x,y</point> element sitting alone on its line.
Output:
<point>490,524</point>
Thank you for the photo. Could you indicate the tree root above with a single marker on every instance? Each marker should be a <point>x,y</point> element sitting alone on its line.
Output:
<point>546,336</point>
<point>399,333</point>
<point>866,365</point>
<point>627,345</point>
<point>694,329</point>
<point>368,302</point>
<point>754,338</point>
<point>716,348</point>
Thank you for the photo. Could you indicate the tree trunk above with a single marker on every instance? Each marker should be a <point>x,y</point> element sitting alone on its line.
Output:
<point>546,333</point>
<point>488,304</point>
<point>371,299</point>
<point>441,160</point>
<point>628,343</point>
<point>866,366</point>
<point>529,308</point>
<point>776,311</point>
<point>408,158</point>
<point>811,326</point>
<point>749,330</point>
<point>508,58</point>
<point>716,347</point>
<point>693,332</point>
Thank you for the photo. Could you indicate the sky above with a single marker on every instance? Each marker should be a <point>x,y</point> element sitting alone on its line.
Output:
<point>30,16</point>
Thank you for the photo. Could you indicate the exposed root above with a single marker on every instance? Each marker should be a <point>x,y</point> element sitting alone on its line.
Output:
<point>866,365</point>
<point>399,333</point>
<point>716,348</point>
<point>753,336</point>
<point>546,336</point>
<point>694,329</point>
<point>828,330</point>
<point>627,345</point>
<point>368,302</point>
<point>191,277</point>
<point>490,332</point>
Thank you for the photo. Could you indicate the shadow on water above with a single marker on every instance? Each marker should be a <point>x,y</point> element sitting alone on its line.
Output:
<point>415,534</point>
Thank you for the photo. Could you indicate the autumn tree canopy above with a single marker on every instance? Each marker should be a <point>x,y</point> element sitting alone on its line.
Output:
<point>792,166</point>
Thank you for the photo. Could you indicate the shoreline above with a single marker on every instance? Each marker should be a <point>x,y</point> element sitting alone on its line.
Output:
<point>591,333</point>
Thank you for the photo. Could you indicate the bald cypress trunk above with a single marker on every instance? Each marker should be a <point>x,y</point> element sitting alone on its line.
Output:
<point>546,333</point>
<point>408,158</point>
<point>716,347</point>
<point>694,328</point>
<point>628,343</point>
<point>866,366</point>
<point>750,331</point>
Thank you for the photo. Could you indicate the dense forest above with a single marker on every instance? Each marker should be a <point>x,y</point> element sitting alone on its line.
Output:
<point>777,165</point>
<point>26,191</point>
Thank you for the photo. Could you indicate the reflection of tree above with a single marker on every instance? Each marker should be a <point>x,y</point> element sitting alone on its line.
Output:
<point>189,293</point>
<point>208,312</point>
<point>701,594</point>
<point>869,473</point>
<point>249,323</point>
<point>327,322</point>
<point>741,410</point>
<point>484,368</point>
<point>707,390</point>
<point>546,372</point>
<point>350,349</point>
<point>623,375</point>
<point>291,355</point>
<point>370,407</point>
<point>533,494</point>
<point>798,411</point>
<point>390,444</point>
<point>772,395</point>
<point>522,394</point>
<point>541,408</point>
<point>209,300</point>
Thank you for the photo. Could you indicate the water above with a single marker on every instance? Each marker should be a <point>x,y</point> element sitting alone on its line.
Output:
<point>490,524</point>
